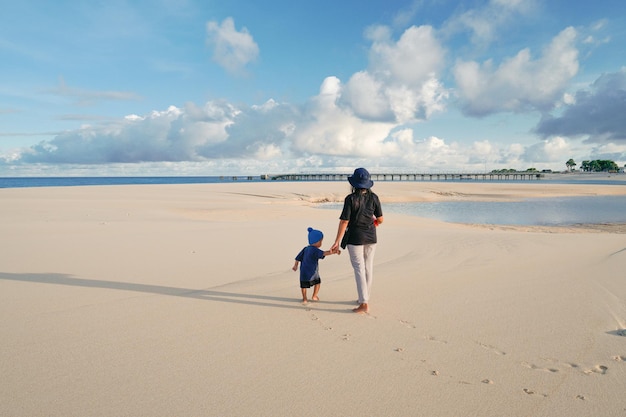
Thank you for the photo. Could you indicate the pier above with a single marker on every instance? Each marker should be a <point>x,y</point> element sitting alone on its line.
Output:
<point>483,176</point>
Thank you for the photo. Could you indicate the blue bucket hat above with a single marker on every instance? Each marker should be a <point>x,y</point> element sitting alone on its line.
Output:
<point>314,235</point>
<point>360,179</point>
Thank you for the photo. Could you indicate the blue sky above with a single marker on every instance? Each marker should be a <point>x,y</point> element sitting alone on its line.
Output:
<point>196,87</point>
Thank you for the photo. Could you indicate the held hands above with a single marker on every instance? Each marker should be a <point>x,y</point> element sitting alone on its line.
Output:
<point>334,250</point>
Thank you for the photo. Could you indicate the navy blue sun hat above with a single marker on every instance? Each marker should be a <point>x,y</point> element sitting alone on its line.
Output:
<point>360,179</point>
<point>314,235</point>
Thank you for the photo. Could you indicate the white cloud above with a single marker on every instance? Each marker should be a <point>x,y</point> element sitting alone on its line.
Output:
<point>410,60</point>
<point>267,152</point>
<point>232,49</point>
<point>519,83</point>
<point>171,135</point>
<point>400,84</point>
<point>332,130</point>
<point>367,97</point>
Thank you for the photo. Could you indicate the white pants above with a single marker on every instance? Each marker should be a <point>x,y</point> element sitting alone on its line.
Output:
<point>362,259</point>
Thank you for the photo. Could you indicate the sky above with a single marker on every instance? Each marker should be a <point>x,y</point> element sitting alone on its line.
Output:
<point>241,87</point>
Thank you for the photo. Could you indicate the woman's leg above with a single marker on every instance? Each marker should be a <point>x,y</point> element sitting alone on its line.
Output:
<point>368,255</point>
<point>357,259</point>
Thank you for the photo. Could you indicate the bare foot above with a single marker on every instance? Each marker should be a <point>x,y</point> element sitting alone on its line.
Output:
<point>363,308</point>
<point>315,298</point>
<point>305,301</point>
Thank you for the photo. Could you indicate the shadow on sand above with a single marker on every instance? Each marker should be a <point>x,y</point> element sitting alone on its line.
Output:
<point>209,295</point>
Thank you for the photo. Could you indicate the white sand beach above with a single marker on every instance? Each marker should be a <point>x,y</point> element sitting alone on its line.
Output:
<point>179,300</point>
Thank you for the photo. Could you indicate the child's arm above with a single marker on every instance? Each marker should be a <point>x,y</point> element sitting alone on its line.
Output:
<point>295,266</point>
<point>332,252</point>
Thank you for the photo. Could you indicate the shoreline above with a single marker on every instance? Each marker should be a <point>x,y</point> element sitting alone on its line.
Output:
<point>618,228</point>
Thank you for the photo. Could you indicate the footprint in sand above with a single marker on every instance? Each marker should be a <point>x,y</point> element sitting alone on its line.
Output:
<point>539,368</point>
<point>433,339</point>
<point>487,381</point>
<point>598,369</point>
<point>491,348</point>
<point>619,358</point>
<point>532,392</point>
<point>408,324</point>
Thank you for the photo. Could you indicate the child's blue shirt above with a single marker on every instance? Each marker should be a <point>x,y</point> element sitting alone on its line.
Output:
<point>309,267</point>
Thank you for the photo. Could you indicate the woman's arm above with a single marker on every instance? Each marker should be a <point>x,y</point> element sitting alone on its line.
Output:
<point>341,229</point>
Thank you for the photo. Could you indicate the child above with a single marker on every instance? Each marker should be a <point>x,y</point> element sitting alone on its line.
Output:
<point>309,268</point>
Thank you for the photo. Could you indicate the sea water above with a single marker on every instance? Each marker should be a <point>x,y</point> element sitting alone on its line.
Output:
<point>556,211</point>
<point>25,182</point>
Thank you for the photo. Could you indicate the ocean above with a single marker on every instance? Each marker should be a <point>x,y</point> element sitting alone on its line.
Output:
<point>22,182</point>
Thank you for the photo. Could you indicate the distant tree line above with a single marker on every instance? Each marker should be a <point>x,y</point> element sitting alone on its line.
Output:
<point>599,165</point>
<point>511,170</point>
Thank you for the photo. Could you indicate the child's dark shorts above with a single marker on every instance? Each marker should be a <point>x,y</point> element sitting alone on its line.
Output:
<point>309,284</point>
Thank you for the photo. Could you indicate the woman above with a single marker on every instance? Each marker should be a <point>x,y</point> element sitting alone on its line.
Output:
<point>360,215</point>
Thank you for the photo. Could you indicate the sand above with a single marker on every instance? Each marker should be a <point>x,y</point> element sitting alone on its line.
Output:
<point>179,300</point>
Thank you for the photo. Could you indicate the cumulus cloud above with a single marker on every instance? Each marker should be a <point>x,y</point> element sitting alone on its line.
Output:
<point>519,83</point>
<point>330,129</point>
<point>358,118</point>
<point>401,83</point>
<point>259,132</point>
<point>176,134</point>
<point>596,114</point>
<point>232,49</point>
